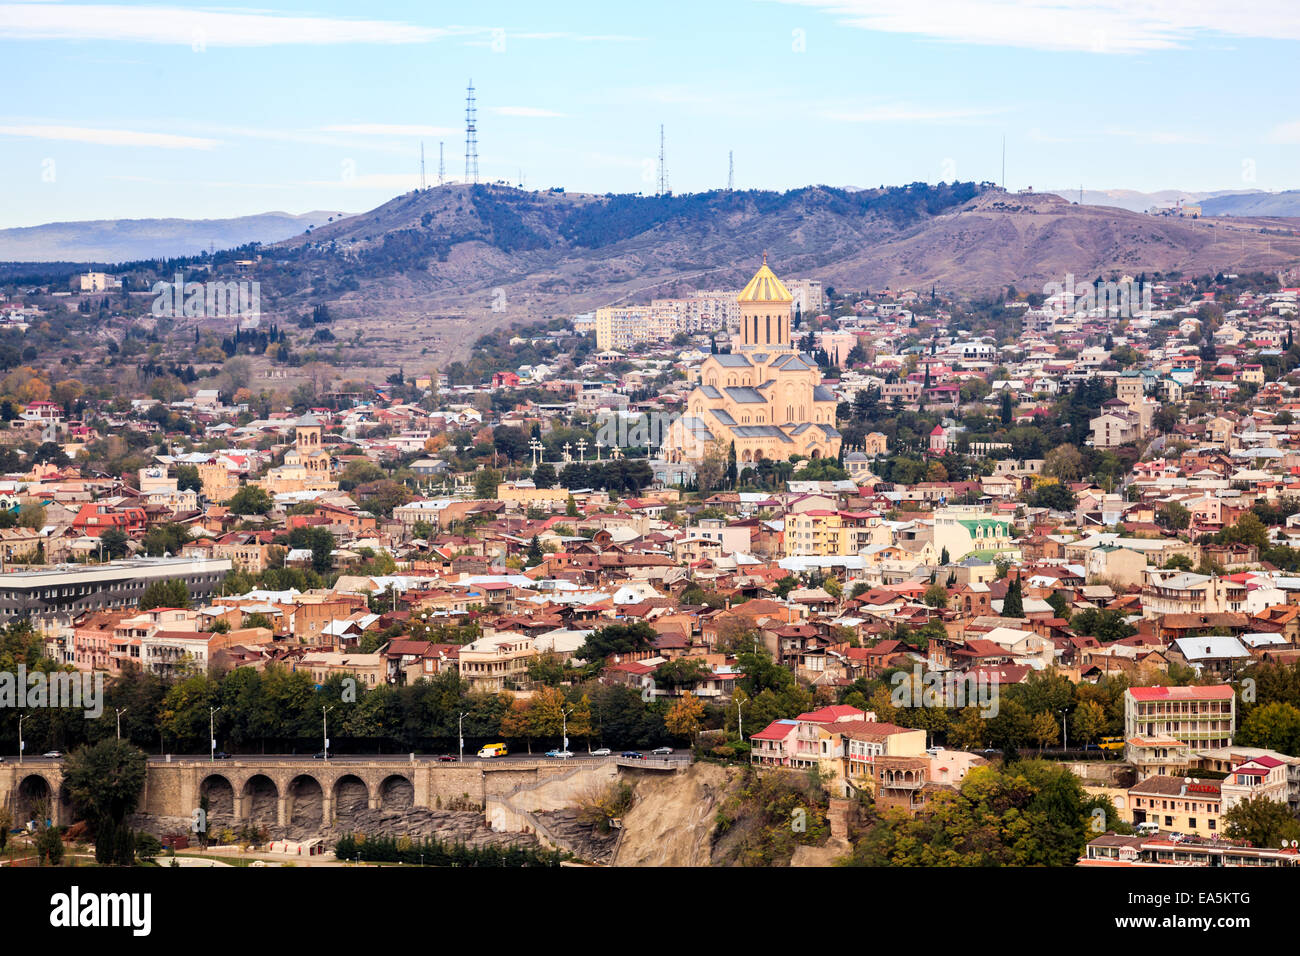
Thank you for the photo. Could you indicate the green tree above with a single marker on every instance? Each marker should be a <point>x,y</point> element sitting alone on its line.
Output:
<point>1262,822</point>
<point>104,781</point>
<point>172,592</point>
<point>1013,604</point>
<point>250,500</point>
<point>1275,726</point>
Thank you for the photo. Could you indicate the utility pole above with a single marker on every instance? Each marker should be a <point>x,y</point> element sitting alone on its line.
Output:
<point>461,733</point>
<point>325,729</point>
<point>21,744</point>
<point>212,733</point>
<point>564,730</point>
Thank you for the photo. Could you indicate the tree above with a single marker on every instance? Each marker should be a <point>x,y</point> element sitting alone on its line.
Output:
<point>535,554</point>
<point>1275,726</point>
<point>1175,517</point>
<point>684,716</point>
<point>1261,822</point>
<point>250,500</point>
<point>114,541</point>
<point>1064,463</point>
<point>170,593</point>
<point>485,483</point>
<point>1043,729</point>
<point>1013,604</point>
<point>1088,721</point>
<point>936,595</point>
<point>49,846</point>
<point>104,782</point>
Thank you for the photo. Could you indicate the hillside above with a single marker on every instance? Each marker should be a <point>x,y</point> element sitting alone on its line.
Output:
<point>125,240</point>
<point>1286,204</point>
<point>436,269</point>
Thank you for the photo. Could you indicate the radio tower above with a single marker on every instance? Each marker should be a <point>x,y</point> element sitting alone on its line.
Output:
<point>663,167</point>
<point>731,170</point>
<point>421,165</point>
<point>471,140</point>
<point>442,167</point>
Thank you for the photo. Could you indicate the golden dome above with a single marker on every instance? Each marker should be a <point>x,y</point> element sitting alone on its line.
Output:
<point>765,287</point>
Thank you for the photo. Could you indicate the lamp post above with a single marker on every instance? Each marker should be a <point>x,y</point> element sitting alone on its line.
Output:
<point>120,711</point>
<point>21,745</point>
<point>564,730</point>
<point>325,729</point>
<point>460,737</point>
<point>212,733</point>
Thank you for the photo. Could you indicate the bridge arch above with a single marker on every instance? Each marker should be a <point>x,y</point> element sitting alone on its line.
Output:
<point>304,801</point>
<point>351,795</point>
<point>221,793</point>
<point>33,792</point>
<point>396,792</point>
<point>261,798</point>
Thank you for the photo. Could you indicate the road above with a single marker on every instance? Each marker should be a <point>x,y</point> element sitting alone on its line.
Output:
<point>370,758</point>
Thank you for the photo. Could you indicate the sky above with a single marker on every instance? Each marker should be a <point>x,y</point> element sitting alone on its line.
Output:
<point>135,110</point>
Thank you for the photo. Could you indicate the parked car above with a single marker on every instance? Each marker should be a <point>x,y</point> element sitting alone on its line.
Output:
<point>633,754</point>
<point>320,755</point>
<point>446,758</point>
<point>602,752</point>
<point>560,753</point>
<point>53,754</point>
<point>220,755</point>
<point>662,751</point>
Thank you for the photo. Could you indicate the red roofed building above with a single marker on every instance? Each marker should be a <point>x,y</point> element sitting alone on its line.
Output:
<point>1162,725</point>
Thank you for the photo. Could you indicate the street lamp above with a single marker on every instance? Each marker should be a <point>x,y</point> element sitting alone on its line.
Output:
<point>564,729</point>
<point>21,745</point>
<point>325,722</point>
<point>212,733</point>
<point>120,711</point>
<point>461,736</point>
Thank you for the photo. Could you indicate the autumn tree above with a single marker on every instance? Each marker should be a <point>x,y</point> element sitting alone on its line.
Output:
<point>684,717</point>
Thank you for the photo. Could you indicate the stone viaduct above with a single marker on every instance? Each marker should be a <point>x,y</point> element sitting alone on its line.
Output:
<point>287,791</point>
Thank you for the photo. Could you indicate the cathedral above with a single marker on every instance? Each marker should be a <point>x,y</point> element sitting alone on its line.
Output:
<point>765,396</point>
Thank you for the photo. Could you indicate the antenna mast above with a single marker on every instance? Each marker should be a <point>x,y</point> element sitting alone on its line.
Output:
<point>442,167</point>
<point>1004,161</point>
<point>421,165</point>
<point>471,138</point>
<point>731,170</point>
<point>663,168</point>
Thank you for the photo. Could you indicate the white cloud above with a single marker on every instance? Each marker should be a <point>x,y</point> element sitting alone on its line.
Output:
<point>1089,26</point>
<point>1288,133</point>
<point>110,137</point>
<point>386,129</point>
<point>199,28</point>
<point>524,111</point>
<point>894,113</point>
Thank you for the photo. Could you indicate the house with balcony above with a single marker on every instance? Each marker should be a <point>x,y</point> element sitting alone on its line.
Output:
<point>1162,725</point>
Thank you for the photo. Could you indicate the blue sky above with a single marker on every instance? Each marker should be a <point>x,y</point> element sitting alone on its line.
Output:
<point>135,110</point>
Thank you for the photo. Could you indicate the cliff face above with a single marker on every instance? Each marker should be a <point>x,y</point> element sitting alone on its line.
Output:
<point>673,820</point>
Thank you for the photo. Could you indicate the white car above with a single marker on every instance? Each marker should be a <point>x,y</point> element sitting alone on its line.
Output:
<point>564,754</point>
<point>602,752</point>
